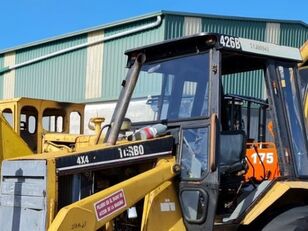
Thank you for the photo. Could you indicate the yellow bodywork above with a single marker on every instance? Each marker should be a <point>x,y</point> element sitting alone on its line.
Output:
<point>304,53</point>
<point>161,206</point>
<point>53,142</point>
<point>279,189</point>
<point>28,118</point>
<point>69,142</point>
<point>11,145</point>
<point>82,215</point>
<point>46,132</point>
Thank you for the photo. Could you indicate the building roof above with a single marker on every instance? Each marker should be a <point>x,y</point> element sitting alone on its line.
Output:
<point>146,16</point>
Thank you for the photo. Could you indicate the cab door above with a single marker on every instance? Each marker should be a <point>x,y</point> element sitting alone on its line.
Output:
<point>199,184</point>
<point>199,176</point>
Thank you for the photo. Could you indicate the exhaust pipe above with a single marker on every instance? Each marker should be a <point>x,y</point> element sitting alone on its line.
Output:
<point>122,105</point>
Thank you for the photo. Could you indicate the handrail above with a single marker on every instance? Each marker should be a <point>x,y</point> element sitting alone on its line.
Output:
<point>66,50</point>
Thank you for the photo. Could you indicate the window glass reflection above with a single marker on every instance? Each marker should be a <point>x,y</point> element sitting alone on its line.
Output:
<point>293,108</point>
<point>194,163</point>
<point>194,204</point>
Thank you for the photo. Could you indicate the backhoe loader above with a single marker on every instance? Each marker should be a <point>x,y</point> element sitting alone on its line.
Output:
<point>212,157</point>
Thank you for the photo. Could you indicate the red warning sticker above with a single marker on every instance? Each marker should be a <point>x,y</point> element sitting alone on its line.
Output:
<point>110,205</point>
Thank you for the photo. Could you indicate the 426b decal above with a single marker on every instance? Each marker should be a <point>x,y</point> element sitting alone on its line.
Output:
<point>230,42</point>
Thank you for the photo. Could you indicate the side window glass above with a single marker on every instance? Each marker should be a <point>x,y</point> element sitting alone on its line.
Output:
<point>49,123</point>
<point>75,123</point>
<point>23,122</point>
<point>53,120</point>
<point>8,115</point>
<point>187,101</point>
<point>194,152</point>
<point>53,123</point>
<point>59,123</point>
<point>194,204</point>
<point>32,124</point>
<point>293,108</point>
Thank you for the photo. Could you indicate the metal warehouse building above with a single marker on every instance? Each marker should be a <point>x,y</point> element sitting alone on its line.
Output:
<point>88,66</point>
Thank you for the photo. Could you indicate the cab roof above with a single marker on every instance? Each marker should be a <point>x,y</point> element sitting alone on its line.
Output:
<point>203,41</point>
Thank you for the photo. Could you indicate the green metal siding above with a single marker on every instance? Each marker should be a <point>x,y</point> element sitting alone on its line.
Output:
<point>248,84</point>
<point>1,61</point>
<point>245,29</point>
<point>64,77</point>
<point>174,26</point>
<point>60,78</point>
<point>1,76</point>
<point>130,26</point>
<point>241,83</point>
<point>114,60</point>
<point>293,35</point>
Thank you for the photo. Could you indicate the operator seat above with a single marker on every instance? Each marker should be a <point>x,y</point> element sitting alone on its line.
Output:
<point>232,153</point>
<point>232,167</point>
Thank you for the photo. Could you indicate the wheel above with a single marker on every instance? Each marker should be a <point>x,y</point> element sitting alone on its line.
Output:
<point>295,219</point>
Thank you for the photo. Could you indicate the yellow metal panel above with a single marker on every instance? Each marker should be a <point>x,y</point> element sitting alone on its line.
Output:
<point>11,145</point>
<point>52,191</point>
<point>278,189</point>
<point>40,105</point>
<point>9,77</point>
<point>304,53</point>
<point>81,214</point>
<point>162,207</point>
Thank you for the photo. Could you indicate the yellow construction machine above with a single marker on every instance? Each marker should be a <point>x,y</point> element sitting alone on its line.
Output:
<point>28,126</point>
<point>45,126</point>
<point>213,157</point>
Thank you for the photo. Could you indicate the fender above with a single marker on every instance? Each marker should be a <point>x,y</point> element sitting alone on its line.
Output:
<point>279,189</point>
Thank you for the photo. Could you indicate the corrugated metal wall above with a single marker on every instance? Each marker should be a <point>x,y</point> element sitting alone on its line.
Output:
<point>94,67</point>
<point>114,61</point>
<point>59,78</point>
<point>95,73</point>
<point>241,83</point>
<point>241,28</point>
<point>177,26</point>
<point>1,76</point>
<point>174,26</point>
<point>248,84</point>
<point>293,35</point>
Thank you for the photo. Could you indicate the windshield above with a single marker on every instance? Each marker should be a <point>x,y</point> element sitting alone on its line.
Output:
<point>294,112</point>
<point>178,90</point>
<point>304,91</point>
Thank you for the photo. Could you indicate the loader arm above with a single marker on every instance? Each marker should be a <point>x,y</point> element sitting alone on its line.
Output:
<point>95,211</point>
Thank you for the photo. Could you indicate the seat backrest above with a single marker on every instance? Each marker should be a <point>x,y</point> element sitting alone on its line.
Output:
<point>232,151</point>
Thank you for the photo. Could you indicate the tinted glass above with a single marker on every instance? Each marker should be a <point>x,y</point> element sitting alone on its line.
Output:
<point>194,204</point>
<point>178,89</point>
<point>298,137</point>
<point>194,163</point>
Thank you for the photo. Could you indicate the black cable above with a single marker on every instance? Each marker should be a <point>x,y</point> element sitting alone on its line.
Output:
<point>264,173</point>
<point>253,168</point>
<point>100,132</point>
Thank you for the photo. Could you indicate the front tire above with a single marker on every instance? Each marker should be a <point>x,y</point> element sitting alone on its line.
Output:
<point>295,219</point>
